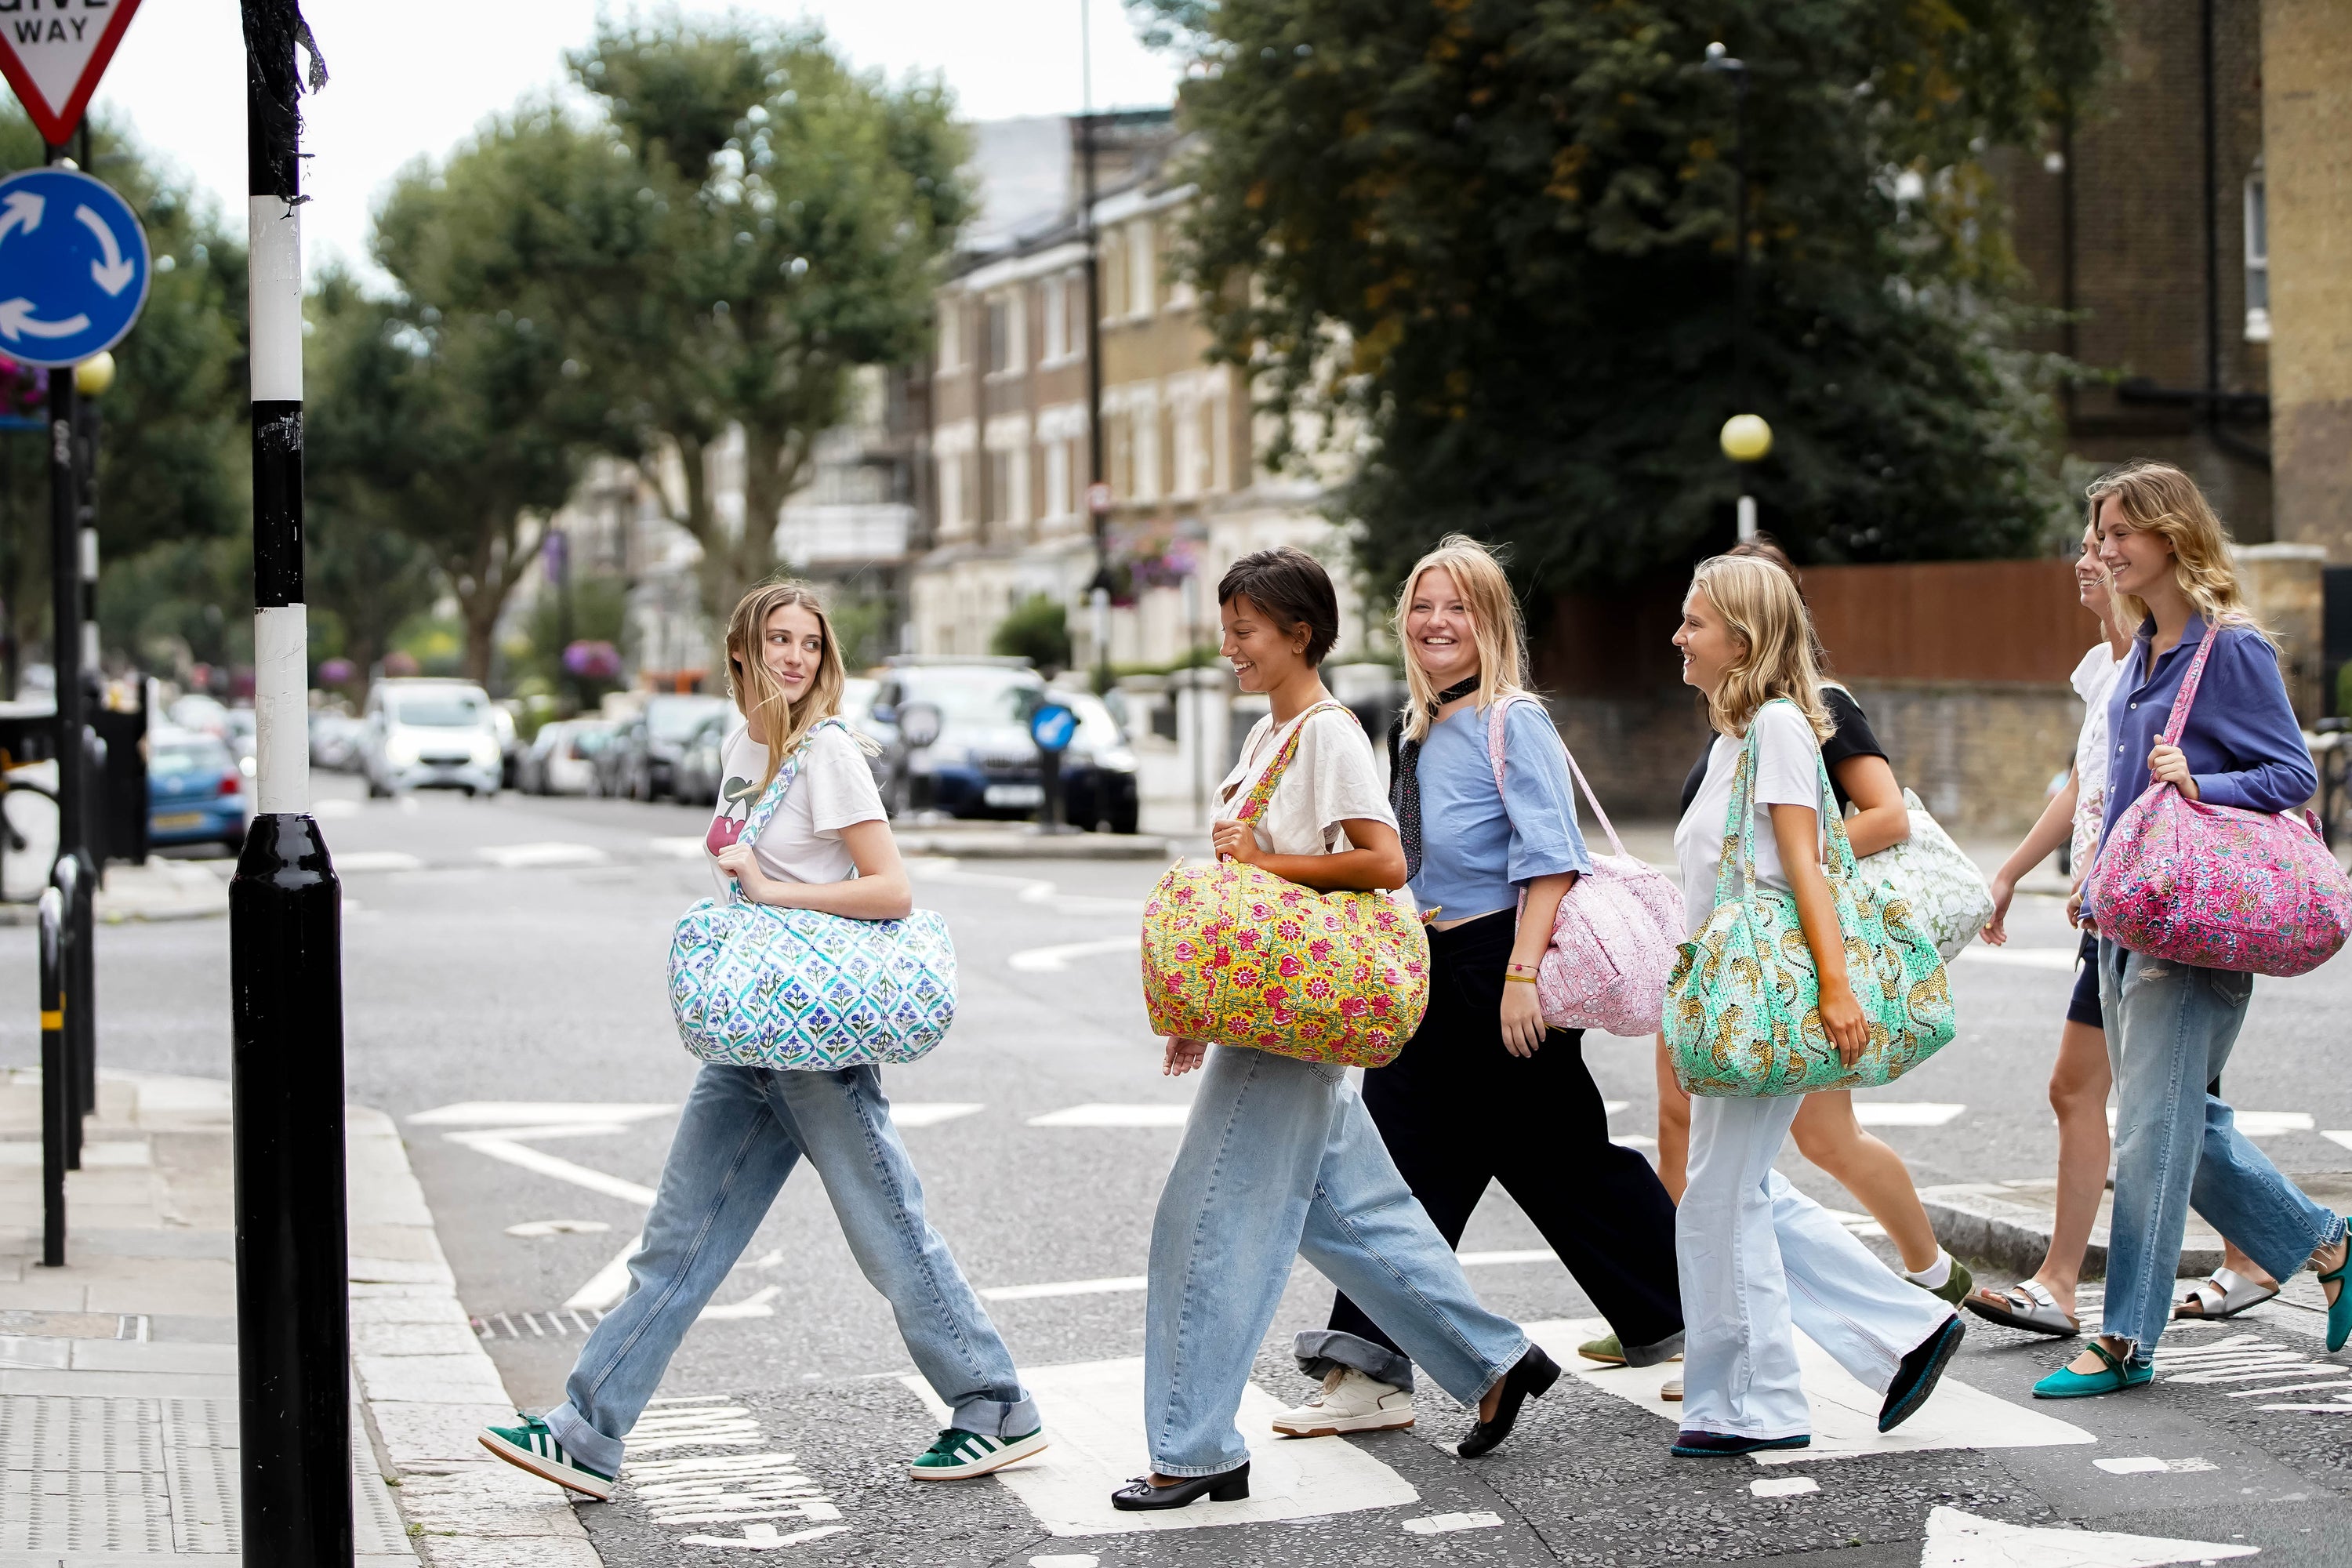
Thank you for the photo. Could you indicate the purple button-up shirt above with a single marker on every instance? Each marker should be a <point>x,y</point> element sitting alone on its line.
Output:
<point>2243,745</point>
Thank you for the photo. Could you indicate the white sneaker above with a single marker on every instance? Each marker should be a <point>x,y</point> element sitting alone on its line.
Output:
<point>1351,1402</point>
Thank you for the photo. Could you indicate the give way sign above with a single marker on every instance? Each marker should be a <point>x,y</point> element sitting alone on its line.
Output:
<point>54,51</point>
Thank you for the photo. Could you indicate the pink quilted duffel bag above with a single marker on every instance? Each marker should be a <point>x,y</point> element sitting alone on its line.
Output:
<point>1614,938</point>
<point>2218,887</point>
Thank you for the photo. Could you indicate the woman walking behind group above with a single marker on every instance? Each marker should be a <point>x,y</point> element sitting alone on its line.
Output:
<point>1826,1131</point>
<point>1482,1091</point>
<point>1758,1258</point>
<point>828,847</point>
<point>1279,1159</point>
<point>2170,1025</point>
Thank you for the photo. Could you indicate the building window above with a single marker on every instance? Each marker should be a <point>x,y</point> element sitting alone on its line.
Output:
<point>1119,437</point>
<point>1111,268</point>
<point>950,336</point>
<point>1075,292</point>
<point>1056,453</point>
<point>1004,334</point>
<point>2258,262</point>
<point>1057,320</point>
<point>1140,257</point>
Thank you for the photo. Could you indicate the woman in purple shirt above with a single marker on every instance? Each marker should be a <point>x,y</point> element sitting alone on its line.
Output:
<point>2170,1025</point>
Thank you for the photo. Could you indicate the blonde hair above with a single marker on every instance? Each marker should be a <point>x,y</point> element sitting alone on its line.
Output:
<point>1766,616</point>
<point>758,694</point>
<point>2158,499</point>
<point>1495,627</point>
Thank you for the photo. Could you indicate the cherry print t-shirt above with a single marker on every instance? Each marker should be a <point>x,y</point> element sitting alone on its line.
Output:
<point>801,843</point>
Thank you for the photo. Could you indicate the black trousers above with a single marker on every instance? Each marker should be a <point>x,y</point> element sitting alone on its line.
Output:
<point>1458,1111</point>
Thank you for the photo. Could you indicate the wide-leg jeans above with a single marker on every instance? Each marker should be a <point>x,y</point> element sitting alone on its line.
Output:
<point>1280,1161</point>
<point>743,1130</point>
<point>1758,1260</point>
<point>2170,1029</point>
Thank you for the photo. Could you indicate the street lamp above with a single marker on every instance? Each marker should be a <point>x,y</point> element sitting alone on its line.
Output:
<point>1745,437</point>
<point>93,376</point>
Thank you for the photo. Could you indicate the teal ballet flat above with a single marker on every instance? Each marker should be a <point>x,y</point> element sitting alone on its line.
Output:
<point>2112,1378</point>
<point>2339,1311</point>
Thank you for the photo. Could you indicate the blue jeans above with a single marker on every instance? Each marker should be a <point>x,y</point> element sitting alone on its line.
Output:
<point>2170,1028</point>
<point>743,1130</point>
<point>1280,1161</point>
<point>1758,1260</point>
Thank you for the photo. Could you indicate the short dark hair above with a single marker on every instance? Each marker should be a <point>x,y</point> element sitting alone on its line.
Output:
<point>1292,587</point>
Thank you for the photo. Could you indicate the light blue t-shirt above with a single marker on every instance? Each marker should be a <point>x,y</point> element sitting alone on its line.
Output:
<point>1478,849</point>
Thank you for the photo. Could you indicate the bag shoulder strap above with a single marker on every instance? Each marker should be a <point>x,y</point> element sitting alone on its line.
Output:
<point>2176,721</point>
<point>1253,804</point>
<point>1840,860</point>
<point>756,820</point>
<point>1497,738</point>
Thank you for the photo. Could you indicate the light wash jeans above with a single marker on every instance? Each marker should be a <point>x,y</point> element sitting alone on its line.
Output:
<point>743,1130</point>
<point>2170,1028</point>
<point>1755,1253</point>
<point>1280,1161</point>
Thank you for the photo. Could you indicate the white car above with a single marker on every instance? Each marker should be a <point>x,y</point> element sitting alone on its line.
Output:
<point>430,734</point>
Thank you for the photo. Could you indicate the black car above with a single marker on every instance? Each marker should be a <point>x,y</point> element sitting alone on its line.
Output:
<point>984,763</point>
<point>649,745</point>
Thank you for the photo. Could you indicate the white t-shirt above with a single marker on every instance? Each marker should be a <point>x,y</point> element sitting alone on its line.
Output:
<point>1788,764</point>
<point>2093,680</point>
<point>1332,780</point>
<point>801,843</point>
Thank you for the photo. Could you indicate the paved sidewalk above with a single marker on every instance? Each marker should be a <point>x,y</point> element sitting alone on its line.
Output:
<point>159,889</point>
<point>118,1373</point>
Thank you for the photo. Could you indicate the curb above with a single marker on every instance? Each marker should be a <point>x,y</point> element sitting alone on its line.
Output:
<point>1979,1220</point>
<point>429,1385</point>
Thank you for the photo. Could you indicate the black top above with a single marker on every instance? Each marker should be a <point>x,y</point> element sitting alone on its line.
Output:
<point>1851,738</point>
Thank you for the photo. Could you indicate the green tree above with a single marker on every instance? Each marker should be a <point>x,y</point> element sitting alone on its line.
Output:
<point>1491,249</point>
<point>458,411</point>
<point>785,220</point>
<point>1037,627</point>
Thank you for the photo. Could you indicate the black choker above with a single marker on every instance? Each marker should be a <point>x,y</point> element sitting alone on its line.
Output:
<point>1452,693</point>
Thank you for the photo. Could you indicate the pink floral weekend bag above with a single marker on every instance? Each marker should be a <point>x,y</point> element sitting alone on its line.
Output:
<point>1615,939</point>
<point>2218,887</point>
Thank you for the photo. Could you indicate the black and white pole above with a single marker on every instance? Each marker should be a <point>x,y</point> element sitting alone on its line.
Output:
<point>285,921</point>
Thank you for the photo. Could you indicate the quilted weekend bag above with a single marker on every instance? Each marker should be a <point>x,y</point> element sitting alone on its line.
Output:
<point>2218,887</point>
<point>1946,892</point>
<point>756,985</point>
<point>1614,937</point>
<point>1239,956</point>
<point>1743,1007</point>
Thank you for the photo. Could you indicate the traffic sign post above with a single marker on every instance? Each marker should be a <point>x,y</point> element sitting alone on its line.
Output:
<point>1052,726</point>
<point>74,267</point>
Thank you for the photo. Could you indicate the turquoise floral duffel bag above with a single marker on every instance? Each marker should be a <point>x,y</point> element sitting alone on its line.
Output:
<point>1743,1015</point>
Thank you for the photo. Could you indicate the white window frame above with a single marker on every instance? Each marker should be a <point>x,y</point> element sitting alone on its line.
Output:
<point>2258,259</point>
<point>951,335</point>
<point>1056,305</point>
<point>1142,262</point>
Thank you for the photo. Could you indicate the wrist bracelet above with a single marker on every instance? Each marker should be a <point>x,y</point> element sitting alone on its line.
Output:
<point>1521,979</point>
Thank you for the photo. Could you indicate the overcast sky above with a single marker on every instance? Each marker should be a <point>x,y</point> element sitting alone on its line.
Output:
<point>411,78</point>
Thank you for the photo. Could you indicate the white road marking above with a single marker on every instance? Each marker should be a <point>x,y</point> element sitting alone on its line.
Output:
<point>1447,1523</point>
<point>764,1538</point>
<point>1101,1115</point>
<point>755,1305</point>
<point>1097,1443</point>
<point>547,1164</point>
<point>930,1114</point>
<point>748,1490</point>
<point>1064,1288</point>
<point>519,856</point>
<point>532,1229</point>
<point>2023,957</point>
<point>1065,1560</point>
<point>2343,1139</point>
<point>1783,1485</point>
<point>1957,1540</point>
<point>1530,1255</point>
<point>1054,959</point>
<point>1845,1413</point>
<point>606,1288</point>
<point>377,860</point>
<point>690,1423</point>
<point>1905,1112</point>
<point>2263,1124</point>
<point>2149,1465</point>
<point>528,1113</point>
<point>334,806</point>
<point>684,848</point>
<point>1028,889</point>
<point>1633,1141</point>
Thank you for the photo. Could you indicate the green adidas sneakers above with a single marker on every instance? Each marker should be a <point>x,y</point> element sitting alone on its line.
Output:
<point>957,1455</point>
<point>532,1446</point>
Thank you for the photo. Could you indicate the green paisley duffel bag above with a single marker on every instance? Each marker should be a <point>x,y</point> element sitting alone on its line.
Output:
<point>1743,1014</point>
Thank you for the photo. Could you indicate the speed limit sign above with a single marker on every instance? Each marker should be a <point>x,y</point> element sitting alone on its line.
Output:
<point>1097,498</point>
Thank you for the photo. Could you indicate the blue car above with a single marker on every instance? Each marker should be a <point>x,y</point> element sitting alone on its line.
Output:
<point>196,791</point>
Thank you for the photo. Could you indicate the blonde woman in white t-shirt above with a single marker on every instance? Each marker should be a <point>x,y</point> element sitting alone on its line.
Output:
<point>1280,1160</point>
<point>743,1129</point>
<point>1758,1260</point>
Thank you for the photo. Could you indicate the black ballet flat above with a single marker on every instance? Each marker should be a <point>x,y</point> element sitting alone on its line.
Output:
<point>1139,1495</point>
<point>1530,1377</point>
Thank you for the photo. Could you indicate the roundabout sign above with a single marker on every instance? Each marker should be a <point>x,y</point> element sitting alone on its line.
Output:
<point>74,267</point>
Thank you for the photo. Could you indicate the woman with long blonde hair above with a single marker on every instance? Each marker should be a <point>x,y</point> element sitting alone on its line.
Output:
<point>828,847</point>
<point>1484,1092</point>
<point>2170,1025</point>
<point>1759,1259</point>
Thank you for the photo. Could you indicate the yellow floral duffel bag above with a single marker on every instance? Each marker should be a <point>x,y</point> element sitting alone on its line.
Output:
<point>1239,956</point>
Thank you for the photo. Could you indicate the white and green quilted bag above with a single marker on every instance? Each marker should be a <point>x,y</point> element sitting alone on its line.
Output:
<point>756,985</point>
<point>1743,1015</point>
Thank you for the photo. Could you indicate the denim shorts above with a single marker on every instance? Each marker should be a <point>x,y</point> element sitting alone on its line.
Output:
<point>2082,1007</point>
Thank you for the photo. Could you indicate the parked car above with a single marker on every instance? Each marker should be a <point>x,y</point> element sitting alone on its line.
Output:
<point>431,734</point>
<point>650,742</point>
<point>196,791</point>
<point>1098,770</point>
<point>502,719</point>
<point>334,741</point>
<point>694,781</point>
<point>561,758</point>
<point>242,730</point>
<point>983,762</point>
<point>205,715</point>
